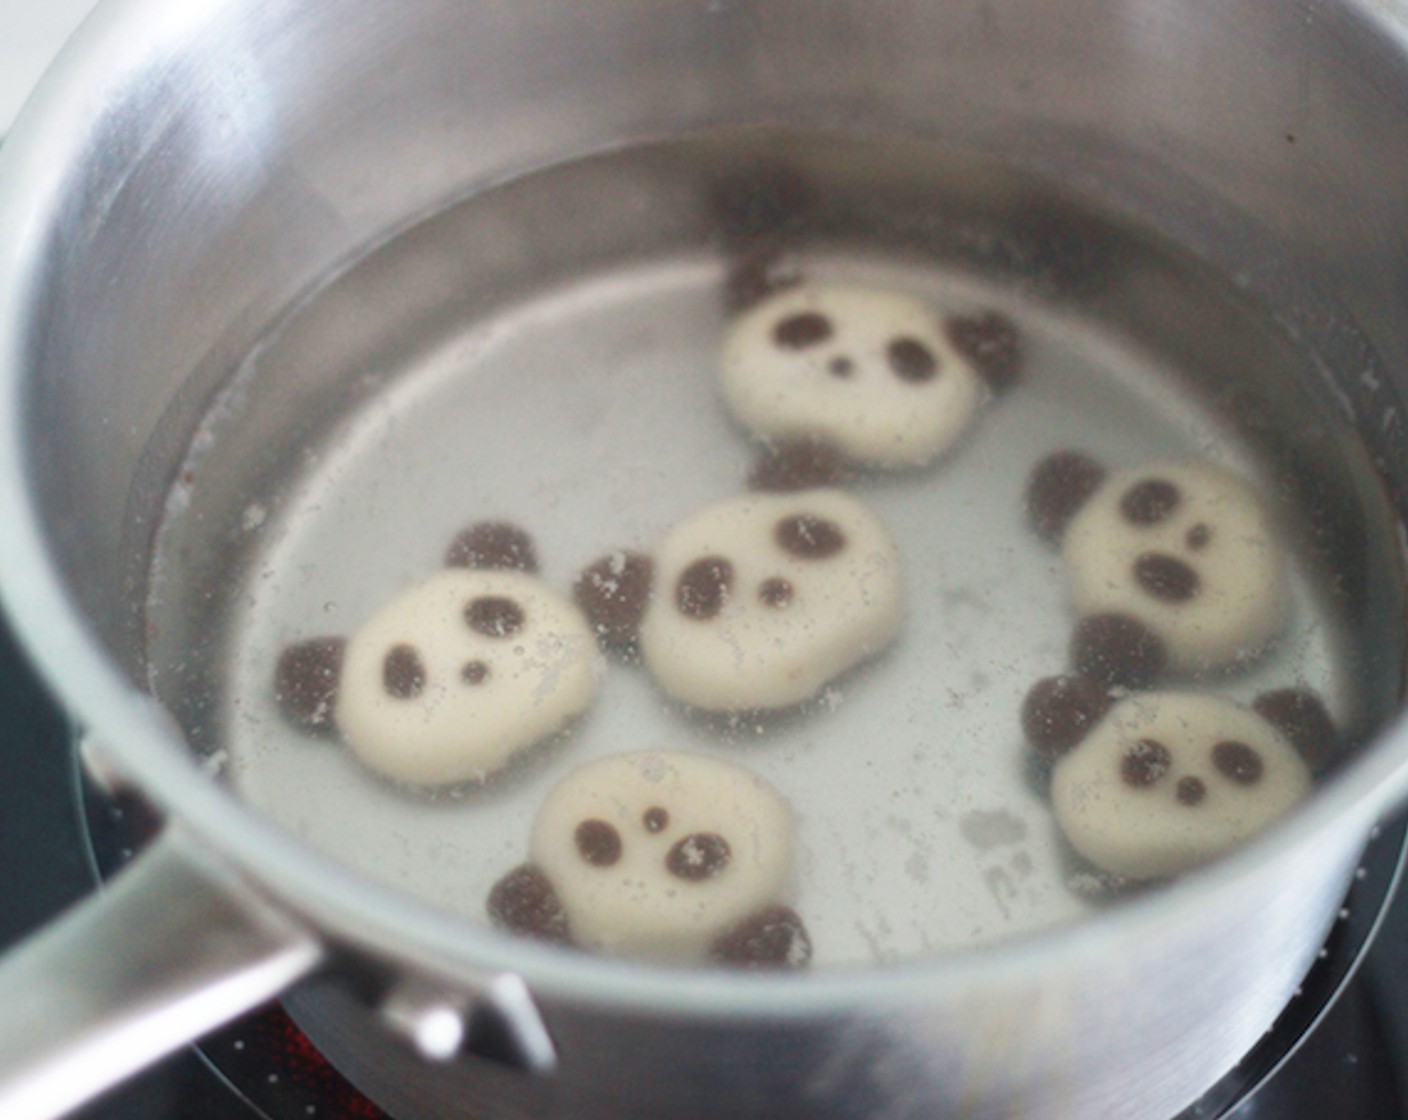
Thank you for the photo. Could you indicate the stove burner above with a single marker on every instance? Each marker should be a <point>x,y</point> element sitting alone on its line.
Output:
<point>278,1069</point>
<point>1332,1052</point>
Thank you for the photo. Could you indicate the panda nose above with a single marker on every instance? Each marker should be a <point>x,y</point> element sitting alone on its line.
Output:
<point>841,366</point>
<point>776,592</point>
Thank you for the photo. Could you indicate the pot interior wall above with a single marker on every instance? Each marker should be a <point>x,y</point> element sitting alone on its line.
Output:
<point>197,240</point>
<point>249,155</point>
<point>296,190</point>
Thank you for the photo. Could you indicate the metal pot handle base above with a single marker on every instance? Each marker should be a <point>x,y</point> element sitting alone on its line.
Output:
<point>176,946</point>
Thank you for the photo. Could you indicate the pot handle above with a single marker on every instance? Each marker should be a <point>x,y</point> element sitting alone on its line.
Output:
<point>176,946</point>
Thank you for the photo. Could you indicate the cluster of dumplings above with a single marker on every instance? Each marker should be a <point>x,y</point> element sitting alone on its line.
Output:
<point>1176,574</point>
<point>757,602</point>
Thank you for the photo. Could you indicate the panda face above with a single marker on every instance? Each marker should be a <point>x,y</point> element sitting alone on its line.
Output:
<point>760,600</point>
<point>1166,781</point>
<point>663,854</point>
<point>453,676</point>
<point>1186,550</point>
<point>873,372</point>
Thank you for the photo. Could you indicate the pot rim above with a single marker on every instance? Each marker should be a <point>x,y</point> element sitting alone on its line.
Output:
<point>330,897</point>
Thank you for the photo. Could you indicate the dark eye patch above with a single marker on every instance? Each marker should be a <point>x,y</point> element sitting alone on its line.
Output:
<point>1166,577</point>
<point>808,537</point>
<point>911,360</point>
<point>804,329</point>
<point>702,589</point>
<point>1238,762</point>
<point>1145,763</point>
<point>1150,501</point>
<point>598,843</point>
<point>698,856</point>
<point>494,616</point>
<point>403,672</point>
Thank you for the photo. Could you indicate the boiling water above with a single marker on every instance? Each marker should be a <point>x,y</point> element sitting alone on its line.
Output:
<point>547,353</point>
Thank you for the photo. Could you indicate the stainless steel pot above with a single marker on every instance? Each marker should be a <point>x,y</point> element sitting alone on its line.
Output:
<point>187,169</point>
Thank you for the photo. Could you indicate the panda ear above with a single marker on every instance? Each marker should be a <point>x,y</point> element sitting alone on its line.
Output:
<point>1059,486</point>
<point>991,342</point>
<point>754,215</point>
<point>754,275</point>
<point>613,593</point>
<point>1117,650</point>
<point>775,937</point>
<point>306,682</point>
<point>761,203</point>
<point>1301,716</point>
<point>525,902</point>
<point>493,545</point>
<point>793,465</point>
<point>1060,711</point>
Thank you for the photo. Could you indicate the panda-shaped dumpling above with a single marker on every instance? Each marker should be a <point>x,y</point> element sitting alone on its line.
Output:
<point>756,602</point>
<point>452,677</point>
<point>1157,783</point>
<point>883,376</point>
<point>664,855</point>
<point>1175,565</point>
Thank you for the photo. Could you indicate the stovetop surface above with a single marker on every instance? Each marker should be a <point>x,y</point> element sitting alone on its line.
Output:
<point>1352,1064</point>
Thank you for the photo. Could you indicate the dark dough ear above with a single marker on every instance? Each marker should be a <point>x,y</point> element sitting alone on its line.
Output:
<point>994,346</point>
<point>306,681</point>
<point>524,902</point>
<point>771,938</point>
<point>803,464</point>
<point>1300,715</point>
<point>493,545</point>
<point>1058,487</point>
<point>613,593</point>
<point>755,214</point>
<point>1060,711</point>
<point>753,276</point>
<point>766,203</point>
<point>1118,651</point>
